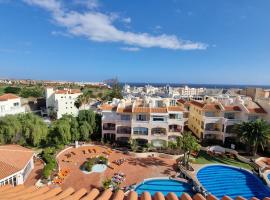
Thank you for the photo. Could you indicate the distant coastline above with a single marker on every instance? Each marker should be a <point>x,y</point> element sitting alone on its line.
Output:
<point>217,86</point>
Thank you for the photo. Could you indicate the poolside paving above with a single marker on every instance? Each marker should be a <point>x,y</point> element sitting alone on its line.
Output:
<point>136,169</point>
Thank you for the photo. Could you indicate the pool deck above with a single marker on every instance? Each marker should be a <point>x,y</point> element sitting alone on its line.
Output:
<point>135,169</point>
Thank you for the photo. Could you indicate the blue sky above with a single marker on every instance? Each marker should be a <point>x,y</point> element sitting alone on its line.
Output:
<point>180,41</point>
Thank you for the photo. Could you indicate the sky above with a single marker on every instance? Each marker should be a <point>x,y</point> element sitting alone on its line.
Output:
<point>161,41</point>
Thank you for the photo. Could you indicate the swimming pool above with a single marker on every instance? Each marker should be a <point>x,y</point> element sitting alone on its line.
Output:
<point>163,185</point>
<point>222,180</point>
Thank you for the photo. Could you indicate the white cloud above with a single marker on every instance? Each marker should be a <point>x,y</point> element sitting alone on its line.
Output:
<point>90,4</point>
<point>97,26</point>
<point>126,20</point>
<point>130,49</point>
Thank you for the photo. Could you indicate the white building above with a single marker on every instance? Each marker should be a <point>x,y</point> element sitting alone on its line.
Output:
<point>62,101</point>
<point>16,163</point>
<point>10,104</point>
<point>149,120</point>
<point>190,92</point>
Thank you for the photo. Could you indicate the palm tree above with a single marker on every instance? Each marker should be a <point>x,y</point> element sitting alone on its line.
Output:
<point>83,99</point>
<point>188,143</point>
<point>254,134</point>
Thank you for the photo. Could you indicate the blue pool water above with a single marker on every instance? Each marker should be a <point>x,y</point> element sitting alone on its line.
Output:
<point>99,168</point>
<point>165,186</point>
<point>222,180</point>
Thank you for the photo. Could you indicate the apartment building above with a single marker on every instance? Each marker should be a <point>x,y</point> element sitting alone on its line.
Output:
<point>149,120</point>
<point>190,92</point>
<point>215,118</point>
<point>10,104</point>
<point>62,101</point>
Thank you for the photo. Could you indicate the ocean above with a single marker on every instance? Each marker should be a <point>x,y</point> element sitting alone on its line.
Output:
<point>218,86</point>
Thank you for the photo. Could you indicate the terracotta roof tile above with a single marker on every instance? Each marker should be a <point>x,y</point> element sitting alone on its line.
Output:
<point>69,91</point>
<point>8,96</point>
<point>182,101</point>
<point>126,109</point>
<point>22,192</point>
<point>107,107</point>
<point>175,108</point>
<point>13,158</point>
<point>232,108</point>
<point>141,110</point>
<point>158,110</point>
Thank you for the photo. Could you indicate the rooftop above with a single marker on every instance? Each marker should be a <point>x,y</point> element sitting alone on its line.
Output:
<point>22,192</point>
<point>13,158</point>
<point>8,96</point>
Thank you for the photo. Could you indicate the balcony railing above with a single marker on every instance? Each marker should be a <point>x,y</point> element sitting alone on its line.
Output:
<point>174,130</point>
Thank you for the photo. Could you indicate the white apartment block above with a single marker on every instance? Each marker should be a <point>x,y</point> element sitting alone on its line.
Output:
<point>62,101</point>
<point>215,118</point>
<point>190,92</point>
<point>149,120</point>
<point>10,104</point>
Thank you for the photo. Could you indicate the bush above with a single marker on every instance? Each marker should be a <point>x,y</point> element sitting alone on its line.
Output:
<point>47,170</point>
<point>102,160</point>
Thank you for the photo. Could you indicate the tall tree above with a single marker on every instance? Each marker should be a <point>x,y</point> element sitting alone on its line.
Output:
<point>188,143</point>
<point>10,129</point>
<point>34,129</point>
<point>254,134</point>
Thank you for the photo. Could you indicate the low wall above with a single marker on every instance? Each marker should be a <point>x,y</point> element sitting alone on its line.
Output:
<point>154,154</point>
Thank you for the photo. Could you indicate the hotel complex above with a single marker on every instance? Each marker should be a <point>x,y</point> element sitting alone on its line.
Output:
<point>62,101</point>
<point>149,120</point>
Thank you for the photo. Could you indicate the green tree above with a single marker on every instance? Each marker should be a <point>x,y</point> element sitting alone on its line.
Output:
<point>33,128</point>
<point>188,143</point>
<point>107,183</point>
<point>85,130</point>
<point>133,144</point>
<point>88,116</point>
<point>60,132</point>
<point>10,129</point>
<point>84,99</point>
<point>254,134</point>
<point>14,90</point>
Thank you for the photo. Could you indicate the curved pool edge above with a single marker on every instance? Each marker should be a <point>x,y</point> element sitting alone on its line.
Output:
<point>233,167</point>
<point>266,178</point>
<point>179,180</point>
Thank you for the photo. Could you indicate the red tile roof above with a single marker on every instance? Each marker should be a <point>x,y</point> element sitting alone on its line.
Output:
<point>126,109</point>
<point>206,106</point>
<point>257,110</point>
<point>232,108</point>
<point>24,193</point>
<point>13,158</point>
<point>8,96</point>
<point>182,101</point>
<point>69,91</point>
<point>141,110</point>
<point>158,110</point>
<point>175,108</point>
<point>107,107</point>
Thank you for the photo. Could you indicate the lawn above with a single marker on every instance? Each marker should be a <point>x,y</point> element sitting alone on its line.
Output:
<point>204,158</point>
<point>2,90</point>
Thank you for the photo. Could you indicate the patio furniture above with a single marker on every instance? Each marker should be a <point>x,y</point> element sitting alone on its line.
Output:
<point>73,153</point>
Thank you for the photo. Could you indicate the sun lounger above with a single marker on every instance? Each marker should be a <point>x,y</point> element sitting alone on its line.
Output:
<point>83,151</point>
<point>89,150</point>
<point>73,153</point>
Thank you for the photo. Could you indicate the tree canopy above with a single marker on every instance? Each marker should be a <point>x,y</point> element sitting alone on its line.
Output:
<point>254,134</point>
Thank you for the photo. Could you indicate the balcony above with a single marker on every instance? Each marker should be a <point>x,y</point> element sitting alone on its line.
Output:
<point>123,130</point>
<point>228,122</point>
<point>175,128</point>
<point>158,131</point>
<point>109,127</point>
<point>212,119</point>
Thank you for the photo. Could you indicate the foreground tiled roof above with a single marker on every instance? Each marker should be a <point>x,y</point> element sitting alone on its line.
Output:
<point>206,106</point>
<point>8,96</point>
<point>108,107</point>
<point>22,192</point>
<point>13,158</point>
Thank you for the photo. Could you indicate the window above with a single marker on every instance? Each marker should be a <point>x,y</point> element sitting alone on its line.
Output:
<point>158,119</point>
<point>125,117</point>
<point>140,131</point>
<point>252,117</point>
<point>209,114</point>
<point>16,104</point>
<point>172,103</point>
<point>174,116</point>
<point>141,118</point>
<point>229,115</point>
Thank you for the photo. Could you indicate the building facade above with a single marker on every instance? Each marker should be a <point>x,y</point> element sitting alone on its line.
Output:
<point>216,117</point>
<point>10,104</point>
<point>62,101</point>
<point>149,120</point>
